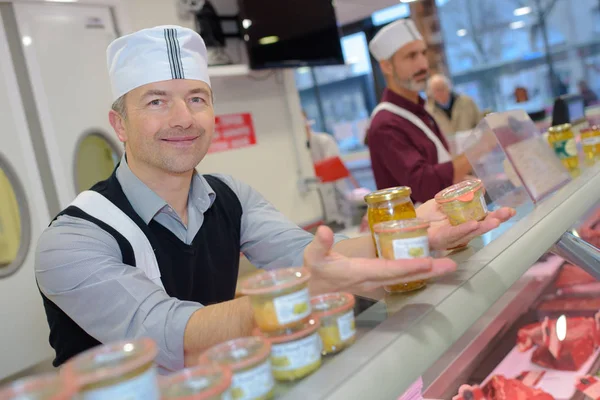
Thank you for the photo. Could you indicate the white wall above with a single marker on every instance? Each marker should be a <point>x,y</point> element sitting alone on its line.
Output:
<point>271,166</point>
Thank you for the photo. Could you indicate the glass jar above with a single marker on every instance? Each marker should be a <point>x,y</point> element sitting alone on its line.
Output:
<point>335,311</point>
<point>248,359</point>
<point>295,352</point>
<point>590,141</point>
<point>115,371</point>
<point>463,202</point>
<point>562,140</point>
<point>205,382</point>
<point>389,205</point>
<point>280,299</point>
<point>41,387</point>
<point>404,239</point>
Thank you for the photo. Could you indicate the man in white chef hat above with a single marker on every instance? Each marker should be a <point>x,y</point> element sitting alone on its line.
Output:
<point>154,250</point>
<point>406,145</point>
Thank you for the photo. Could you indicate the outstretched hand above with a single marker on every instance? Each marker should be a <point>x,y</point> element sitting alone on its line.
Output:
<point>442,235</point>
<point>332,271</point>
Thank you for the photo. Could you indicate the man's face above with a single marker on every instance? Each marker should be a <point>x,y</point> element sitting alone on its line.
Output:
<point>440,92</point>
<point>169,124</point>
<point>410,66</point>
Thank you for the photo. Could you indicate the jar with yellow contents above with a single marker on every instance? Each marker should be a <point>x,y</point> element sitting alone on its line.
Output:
<point>404,239</point>
<point>295,352</point>
<point>280,299</point>
<point>336,313</point>
<point>562,140</point>
<point>590,140</point>
<point>204,382</point>
<point>248,359</point>
<point>390,204</point>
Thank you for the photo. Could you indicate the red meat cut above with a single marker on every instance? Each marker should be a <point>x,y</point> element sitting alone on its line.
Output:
<point>529,335</point>
<point>501,388</point>
<point>574,350</point>
<point>571,275</point>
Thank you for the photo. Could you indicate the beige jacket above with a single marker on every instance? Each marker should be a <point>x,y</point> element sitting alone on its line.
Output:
<point>465,115</point>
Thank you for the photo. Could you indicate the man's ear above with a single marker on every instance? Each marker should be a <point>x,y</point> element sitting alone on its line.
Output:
<point>387,68</point>
<point>118,124</point>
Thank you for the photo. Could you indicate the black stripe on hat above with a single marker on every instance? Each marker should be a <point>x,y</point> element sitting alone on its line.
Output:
<point>173,50</point>
<point>178,55</point>
<point>410,31</point>
<point>170,53</point>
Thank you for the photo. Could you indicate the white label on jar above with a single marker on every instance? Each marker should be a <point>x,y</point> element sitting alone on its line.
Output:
<point>411,248</point>
<point>253,383</point>
<point>298,354</point>
<point>346,326</point>
<point>197,384</point>
<point>226,395</point>
<point>142,387</point>
<point>292,307</point>
<point>591,141</point>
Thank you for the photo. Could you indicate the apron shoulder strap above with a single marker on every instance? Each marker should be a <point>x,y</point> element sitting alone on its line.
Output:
<point>99,207</point>
<point>442,153</point>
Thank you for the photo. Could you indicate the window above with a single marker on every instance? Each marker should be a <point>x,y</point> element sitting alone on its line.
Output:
<point>14,221</point>
<point>547,47</point>
<point>339,99</point>
<point>95,160</point>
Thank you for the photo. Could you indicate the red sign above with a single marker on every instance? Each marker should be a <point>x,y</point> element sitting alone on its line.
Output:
<point>233,131</point>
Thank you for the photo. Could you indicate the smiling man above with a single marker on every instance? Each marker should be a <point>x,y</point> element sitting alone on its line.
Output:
<point>406,145</point>
<point>154,250</point>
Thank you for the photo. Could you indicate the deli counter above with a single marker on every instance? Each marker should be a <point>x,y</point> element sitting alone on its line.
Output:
<point>462,329</point>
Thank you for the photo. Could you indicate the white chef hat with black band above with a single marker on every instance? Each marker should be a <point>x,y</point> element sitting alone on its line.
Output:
<point>393,37</point>
<point>154,55</point>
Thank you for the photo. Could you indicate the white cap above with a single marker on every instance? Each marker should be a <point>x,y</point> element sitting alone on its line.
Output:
<point>154,55</point>
<point>393,37</point>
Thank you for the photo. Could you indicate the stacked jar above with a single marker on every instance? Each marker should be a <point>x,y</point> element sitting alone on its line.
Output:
<point>117,370</point>
<point>562,140</point>
<point>590,141</point>
<point>392,217</point>
<point>298,329</point>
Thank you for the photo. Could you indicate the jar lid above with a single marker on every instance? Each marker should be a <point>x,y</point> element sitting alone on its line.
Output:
<point>388,194</point>
<point>50,386</point>
<point>559,128</point>
<point>272,281</point>
<point>198,383</point>
<point>238,354</point>
<point>110,361</point>
<point>291,334</point>
<point>401,225</point>
<point>593,128</point>
<point>329,304</point>
<point>462,191</point>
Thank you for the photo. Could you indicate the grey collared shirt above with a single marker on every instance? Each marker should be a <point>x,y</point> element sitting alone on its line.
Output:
<point>80,269</point>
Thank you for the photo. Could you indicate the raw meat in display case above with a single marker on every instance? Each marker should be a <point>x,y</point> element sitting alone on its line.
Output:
<point>571,275</point>
<point>501,388</point>
<point>572,352</point>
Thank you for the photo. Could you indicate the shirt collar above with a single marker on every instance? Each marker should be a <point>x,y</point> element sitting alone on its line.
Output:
<point>148,204</point>
<point>400,101</point>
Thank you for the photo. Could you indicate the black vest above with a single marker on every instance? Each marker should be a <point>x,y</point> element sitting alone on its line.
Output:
<point>205,271</point>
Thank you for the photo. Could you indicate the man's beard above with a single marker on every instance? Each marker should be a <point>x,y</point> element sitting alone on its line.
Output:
<point>410,84</point>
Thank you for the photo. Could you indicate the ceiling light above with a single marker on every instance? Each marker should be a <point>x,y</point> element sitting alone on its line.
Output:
<point>461,32</point>
<point>522,11</point>
<point>517,25</point>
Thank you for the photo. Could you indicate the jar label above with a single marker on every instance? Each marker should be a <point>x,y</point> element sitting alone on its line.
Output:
<point>411,248</point>
<point>292,307</point>
<point>141,387</point>
<point>565,148</point>
<point>346,325</point>
<point>591,141</point>
<point>253,383</point>
<point>297,354</point>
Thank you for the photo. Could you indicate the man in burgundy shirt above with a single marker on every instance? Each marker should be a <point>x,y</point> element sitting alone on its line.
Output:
<point>406,145</point>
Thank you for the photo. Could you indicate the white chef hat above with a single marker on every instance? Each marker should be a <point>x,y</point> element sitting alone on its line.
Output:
<point>393,37</point>
<point>156,54</point>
